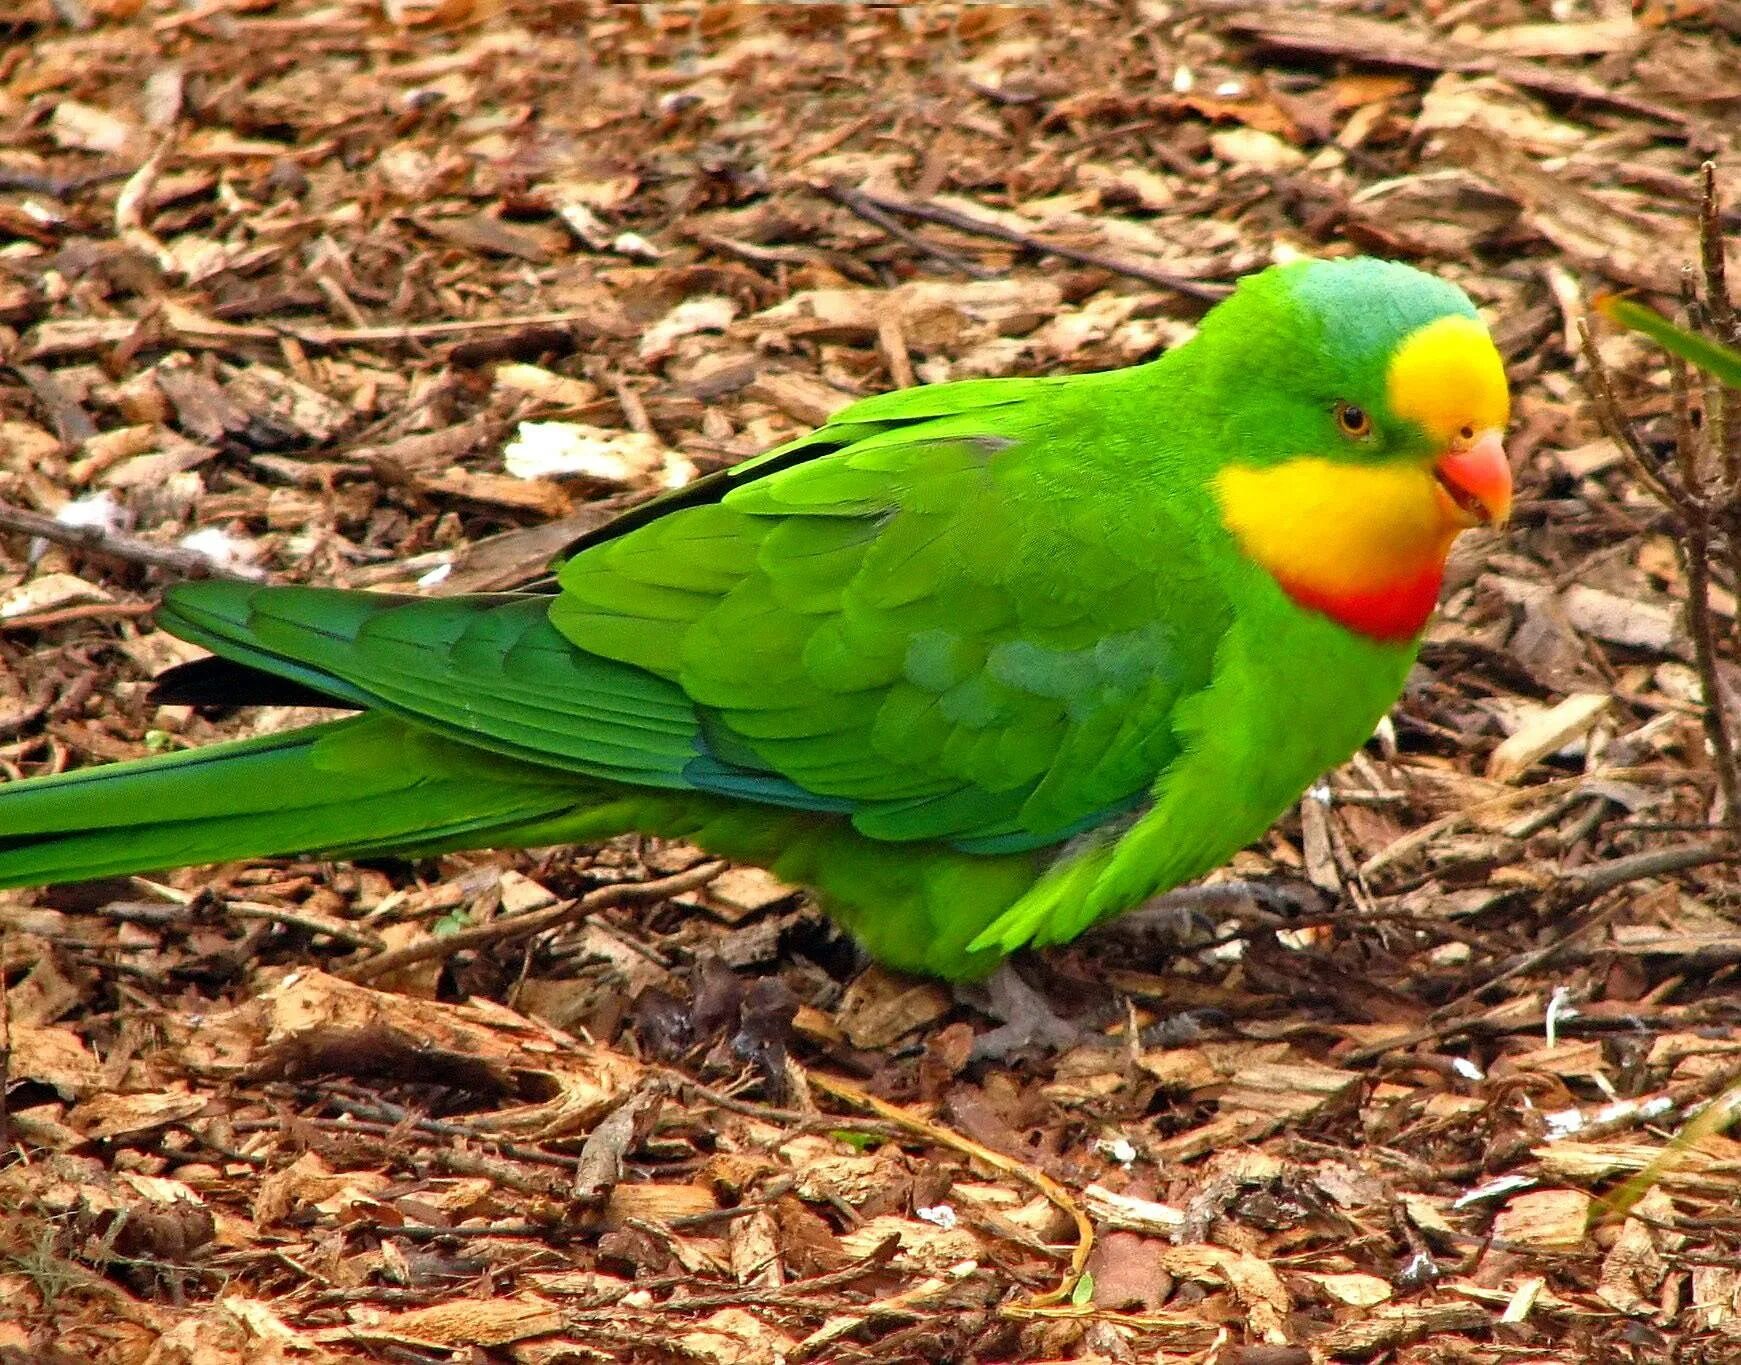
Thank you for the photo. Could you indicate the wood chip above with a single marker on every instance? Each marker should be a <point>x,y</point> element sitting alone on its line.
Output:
<point>1543,731</point>
<point>1549,1219</point>
<point>50,592</point>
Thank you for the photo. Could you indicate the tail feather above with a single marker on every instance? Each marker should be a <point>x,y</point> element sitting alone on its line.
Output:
<point>368,783</point>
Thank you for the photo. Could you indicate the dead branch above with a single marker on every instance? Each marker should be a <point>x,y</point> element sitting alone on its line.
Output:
<point>533,922</point>
<point>861,204</point>
<point>119,545</point>
<point>1031,1175</point>
<point>86,611</point>
<point>1701,488</point>
<point>980,227</point>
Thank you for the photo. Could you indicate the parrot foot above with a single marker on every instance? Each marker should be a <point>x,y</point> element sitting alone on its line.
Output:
<point>1029,1023</point>
<point>1185,917</point>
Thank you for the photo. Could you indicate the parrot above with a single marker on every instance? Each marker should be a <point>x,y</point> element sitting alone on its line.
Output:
<point>979,663</point>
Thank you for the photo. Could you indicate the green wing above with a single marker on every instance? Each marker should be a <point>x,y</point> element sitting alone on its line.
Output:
<point>488,671</point>
<point>867,417</point>
<point>942,615</point>
<point>950,619</point>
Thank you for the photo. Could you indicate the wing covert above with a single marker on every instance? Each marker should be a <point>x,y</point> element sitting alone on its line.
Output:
<point>958,627</point>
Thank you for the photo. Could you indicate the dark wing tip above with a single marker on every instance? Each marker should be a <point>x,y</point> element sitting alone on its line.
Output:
<point>223,682</point>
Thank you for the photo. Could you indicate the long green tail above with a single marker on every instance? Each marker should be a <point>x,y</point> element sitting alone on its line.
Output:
<point>491,730</point>
<point>357,786</point>
<point>374,785</point>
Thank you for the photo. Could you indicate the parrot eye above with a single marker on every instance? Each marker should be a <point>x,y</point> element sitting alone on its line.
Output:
<point>1353,420</point>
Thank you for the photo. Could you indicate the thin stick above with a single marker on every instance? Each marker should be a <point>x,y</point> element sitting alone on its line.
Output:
<point>423,331</point>
<point>1702,490</point>
<point>1696,555</point>
<point>1595,878</point>
<point>1506,800</point>
<point>309,924</point>
<point>1686,443</point>
<point>1725,451</point>
<point>119,545</point>
<point>56,186</point>
<point>874,214</point>
<point>1575,887</point>
<point>533,922</point>
<point>1712,261</point>
<point>1694,544</point>
<point>751,1109</point>
<point>1723,433</point>
<point>1723,405</point>
<point>936,213</point>
<point>1030,1175</point>
<point>86,611</point>
<point>5,1048</point>
<point>194,329</point>
<point>1615,427</point>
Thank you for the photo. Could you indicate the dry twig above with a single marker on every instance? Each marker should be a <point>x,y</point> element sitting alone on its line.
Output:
<point>85,611</point>
<point>1030,1175</point>
<point>5,1050</point>
<point>980,227</point>
<point>872,212</point>
<point>115,544</point>
<point>533,922</point>
<point>1700,488</point>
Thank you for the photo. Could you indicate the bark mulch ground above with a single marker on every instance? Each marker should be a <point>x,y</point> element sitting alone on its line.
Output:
<point>406,294</point>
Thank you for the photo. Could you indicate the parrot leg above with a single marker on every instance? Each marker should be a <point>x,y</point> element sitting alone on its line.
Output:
<point>1029,1022</point>
<point>1179,921</point>
<point>1185,918</point>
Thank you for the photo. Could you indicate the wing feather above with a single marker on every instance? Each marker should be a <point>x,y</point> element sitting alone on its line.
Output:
<point>927,621</point>
<point>488,671</point>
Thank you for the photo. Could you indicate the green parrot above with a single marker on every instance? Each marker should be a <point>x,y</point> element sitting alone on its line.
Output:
<point>981,663</point>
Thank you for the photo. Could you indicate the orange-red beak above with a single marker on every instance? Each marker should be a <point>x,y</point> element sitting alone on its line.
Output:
<point>1475,480</point>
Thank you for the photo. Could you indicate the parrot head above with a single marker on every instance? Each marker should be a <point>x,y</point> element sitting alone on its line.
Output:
<point>1362,407</point>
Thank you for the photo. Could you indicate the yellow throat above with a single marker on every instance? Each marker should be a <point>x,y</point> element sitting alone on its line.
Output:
<point>1366,543</point>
